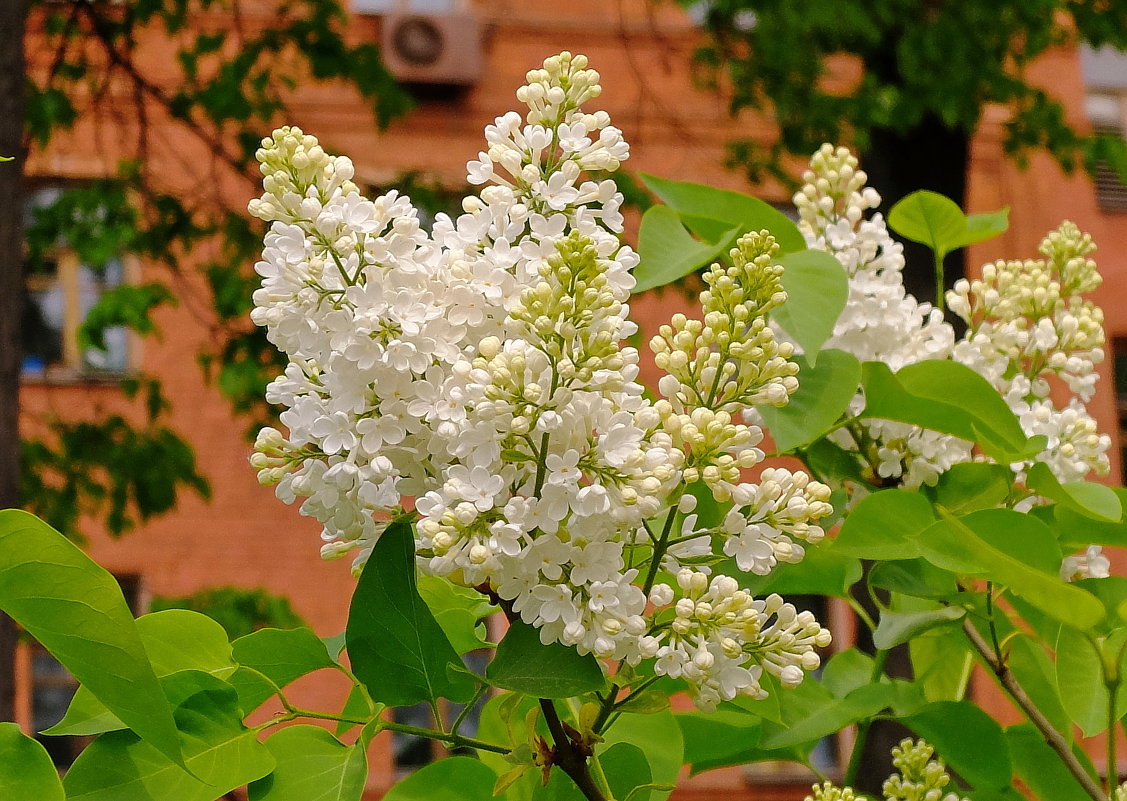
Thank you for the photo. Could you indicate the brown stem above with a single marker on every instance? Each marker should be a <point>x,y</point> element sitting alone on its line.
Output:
<point>1017,694</point>
<point>569,759</point>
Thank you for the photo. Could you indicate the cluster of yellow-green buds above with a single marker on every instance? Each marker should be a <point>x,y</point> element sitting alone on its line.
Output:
<point>920,778</point>
<point>728,362</point>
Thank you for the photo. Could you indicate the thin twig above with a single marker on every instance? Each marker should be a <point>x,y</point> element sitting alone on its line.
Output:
<point>1017,694</point>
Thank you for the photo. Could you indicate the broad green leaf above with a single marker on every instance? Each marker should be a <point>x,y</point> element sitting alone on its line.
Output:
<point>882,525</point>
<point>823,571</point>
<point>626,768</point>
<point>942,663</point>
<point>937,221</point>
<point>816,287</point>
<point>396,647</point>
<point>1039,766</point>
<point>26,770</point>
<point>1091,500</point>
<point>175,640</point>
<point>459,610</point>
<point>455,778</point>
<point>961,545</point>
<point>824,394</point>
<point>282,655</point>
<point>968,739</point>
<point>896,628</point>
<point>832,463</point>
<point>524,664</point>
<point>312,765</point>
<point>253,688</point>
<point>846,671</point>
<point>971,486</point>
<point>668,252</point>
<point>219,750</point>
<point>1112,592</point>
<point>660,739</point>
<point>950,398</point>
<point>1080,681</point>
<point>742,212</point>
<point>718,739</point>
<point>1036,673</point>
<point>986,225</point>
<point>1078,531</point>
<point>860,704</point>
<point>914,577</point>
<point>76,610</point>
<point>1021,536</point>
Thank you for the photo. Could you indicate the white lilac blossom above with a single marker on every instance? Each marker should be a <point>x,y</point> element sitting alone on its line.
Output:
<point>1027,323</point>
<point>881,320</point>
<point>482,370</point>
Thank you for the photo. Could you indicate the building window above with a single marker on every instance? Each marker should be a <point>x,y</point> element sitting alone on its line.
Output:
<point>1105,74</point>
<point>63,284</point>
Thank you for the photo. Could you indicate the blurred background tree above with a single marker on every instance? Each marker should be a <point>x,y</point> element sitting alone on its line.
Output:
<point>905,82</point>
<point>224,83</point>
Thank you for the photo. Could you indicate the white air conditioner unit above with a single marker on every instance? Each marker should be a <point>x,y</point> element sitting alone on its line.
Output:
<point>440,49</point>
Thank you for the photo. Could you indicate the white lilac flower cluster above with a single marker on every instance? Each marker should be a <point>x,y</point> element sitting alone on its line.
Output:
<point>918,778</point>
<point>881,321</point>
<point>1027,322</point>
<point>481,370</point>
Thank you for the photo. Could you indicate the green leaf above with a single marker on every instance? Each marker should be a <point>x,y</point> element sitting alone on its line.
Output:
<point>1078,531</point>
<point>718,739</point>
<point>26,770</point>
<point>668,252</point>
<point>860,704</point>
<point>971,486</point>
<point>526,665</point>
<point>1039,766</point>
<point>914,577</point>
<point>743,212</point>
<point>1080,681</point>
<point>660,739</point>
<point>626,769</point>
<point>824,394</point>
<point>76,610</point>
<point>1036,673</point>
<point>968,739</point>
<point>846,671</point>
<point>455,778</point>
<point>396,647</point>
<point>312,765</point>
<point>459,611</point>
<point>1091,500</point>
<point>282,655</point>
<point>219,750</point>
<point>941,664</point>
<point>950,398</point>
<point>883,525</point>
<point>817,288</point>
<point>900,627</point>
<point>175,640</point>
<point>822,571</point>
<point>937,221</point>
<point>962,545</point>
